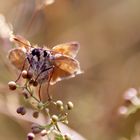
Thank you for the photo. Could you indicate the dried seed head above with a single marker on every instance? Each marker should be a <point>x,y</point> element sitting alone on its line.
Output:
<point>12,85</point>
<point>30,136</point>
<point>36,114</point>
<point>69,105</point>
<point>43,132</point>
<point>54,118</point>
<point>21,110</point>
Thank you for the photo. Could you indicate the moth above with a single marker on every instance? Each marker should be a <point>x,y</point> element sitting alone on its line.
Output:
<point>47,65</point>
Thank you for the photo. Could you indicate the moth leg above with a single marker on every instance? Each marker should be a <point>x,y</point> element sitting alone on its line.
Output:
<point>39,92</point>
<point>42,72</point>
<point>48,83</point>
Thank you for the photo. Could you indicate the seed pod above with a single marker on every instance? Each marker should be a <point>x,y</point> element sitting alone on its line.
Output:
<point>12,85</point>
<point>69,105</point>
<point>21,110</point>
<point>30,136</point>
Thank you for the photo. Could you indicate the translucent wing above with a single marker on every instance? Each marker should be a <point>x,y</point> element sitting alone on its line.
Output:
<point>68,49</point>
<point>66,67</point>
<point>21,42</point>
<point>59,75</point>
<point>18,58</point>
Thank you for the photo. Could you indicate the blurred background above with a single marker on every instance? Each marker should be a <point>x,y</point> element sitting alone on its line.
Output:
<point>109,34</point>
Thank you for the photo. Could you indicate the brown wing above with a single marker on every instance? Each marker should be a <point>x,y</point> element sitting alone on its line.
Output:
<point>66,67</point>
<point>68,49</point>
<point>21,42</point>
<point>18,58</point>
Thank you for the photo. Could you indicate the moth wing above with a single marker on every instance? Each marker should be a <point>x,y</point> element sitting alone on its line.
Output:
<point>18,59</point>
<point>59,75</point>
<point>69,49</point>
<point>65,67</point>
<point>21,42</point>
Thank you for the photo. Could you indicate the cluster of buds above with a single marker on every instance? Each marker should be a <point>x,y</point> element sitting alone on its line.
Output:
<point>42,107</point>
<point>131,102</point>
<point>52,127</point>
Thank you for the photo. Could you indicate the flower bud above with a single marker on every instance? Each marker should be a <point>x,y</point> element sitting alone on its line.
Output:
<point>65,121</point>
<point>59,103</point>
<point>24,74</point>
<point>54,118</point>
<point>69,105</point>
<point>31,82</point>
<point>12,85</point>
<point>29,74</point>
<point>43,132</point>
<point>25,94</point>
<point>21,110</point>
<point>67,137</point>
<point>36,114</point>
<point>40,105</point>
<point>30,136</point>
<point>35,83</point>
<point>36,128</point>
